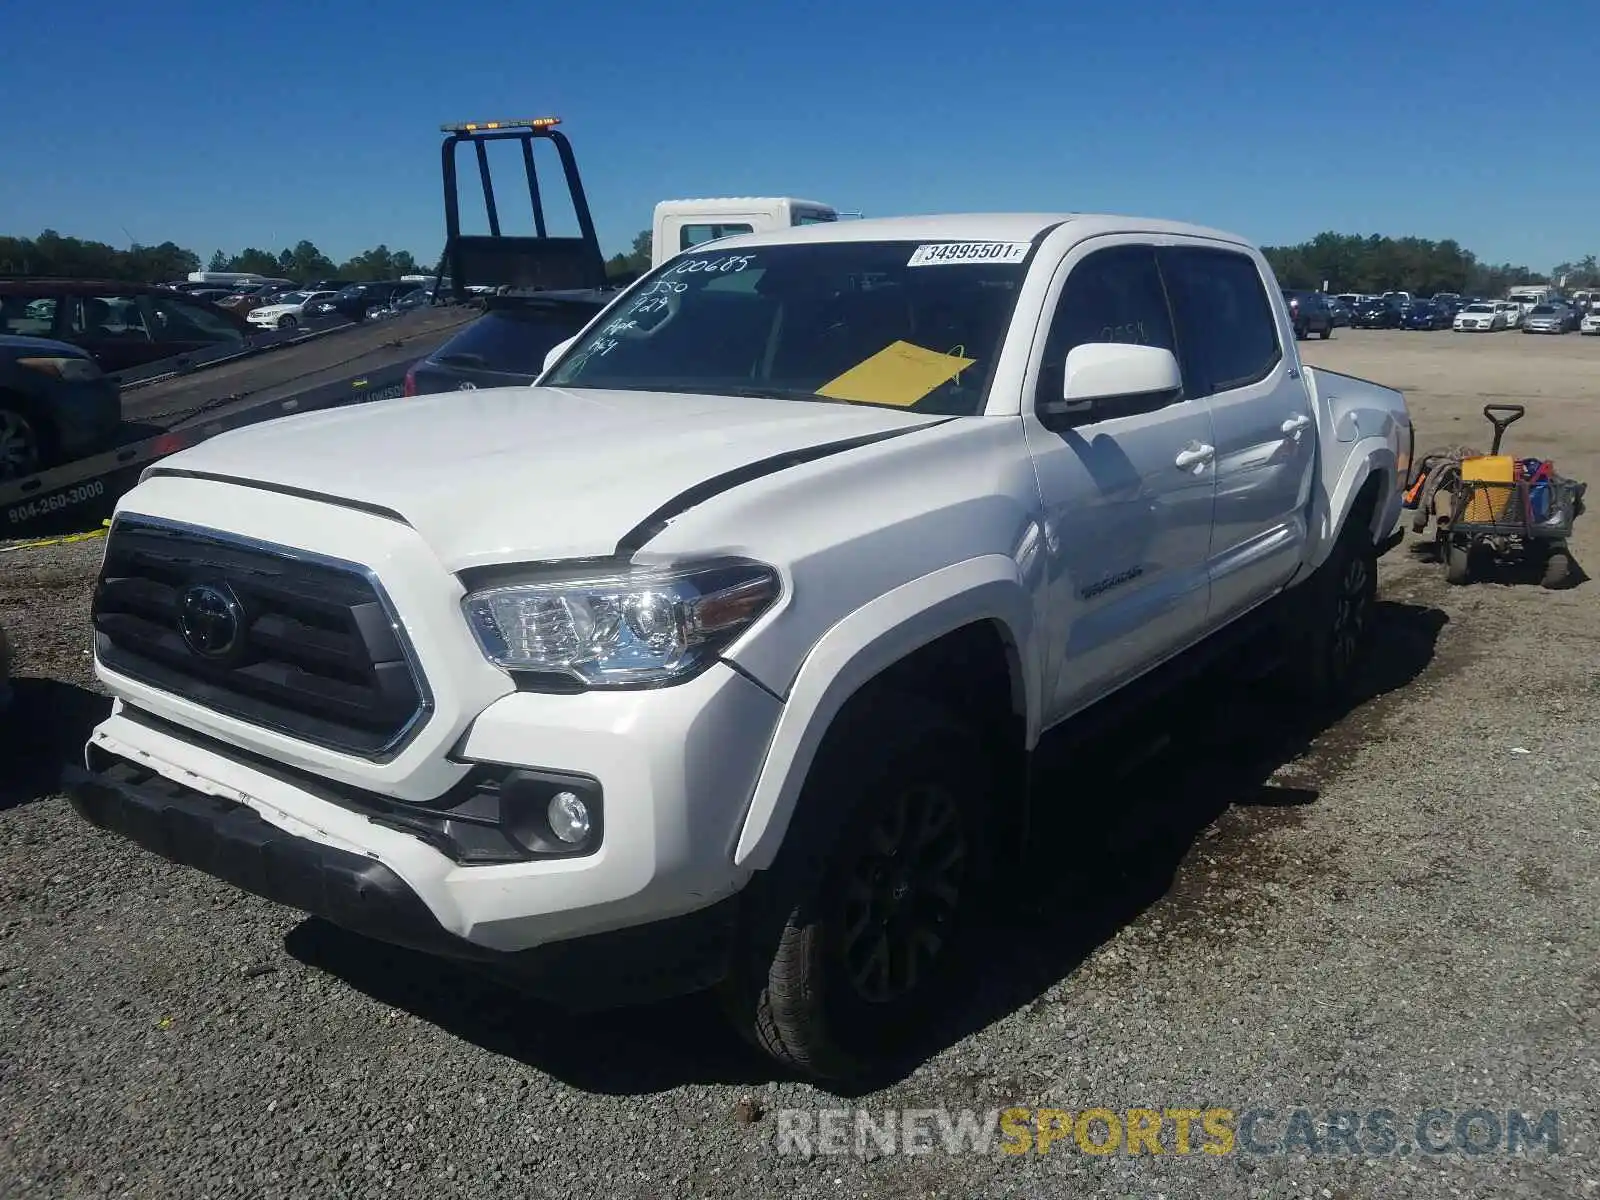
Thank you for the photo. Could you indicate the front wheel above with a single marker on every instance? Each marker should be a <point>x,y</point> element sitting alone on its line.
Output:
<point>1327,332</point>
<point>288,322</point>
<point>852,937</point>
<point>22,450</point>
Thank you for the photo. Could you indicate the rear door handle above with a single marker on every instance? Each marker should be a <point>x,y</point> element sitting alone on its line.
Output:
<point>1295,423</point>
<point>1194,455</point>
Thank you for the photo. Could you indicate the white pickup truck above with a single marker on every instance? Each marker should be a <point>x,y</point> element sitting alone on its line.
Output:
<point>717,657</point>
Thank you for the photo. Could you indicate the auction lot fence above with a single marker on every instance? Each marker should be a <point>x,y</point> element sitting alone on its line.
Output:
<point>78,494</point>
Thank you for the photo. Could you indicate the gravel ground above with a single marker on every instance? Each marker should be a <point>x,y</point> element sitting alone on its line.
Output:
<point>1394,912</point>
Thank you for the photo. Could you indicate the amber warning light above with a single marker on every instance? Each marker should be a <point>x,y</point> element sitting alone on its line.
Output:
<point>525,123</point>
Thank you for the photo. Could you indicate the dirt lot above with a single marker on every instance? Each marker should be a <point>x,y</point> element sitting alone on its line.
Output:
<point>1397,911</point>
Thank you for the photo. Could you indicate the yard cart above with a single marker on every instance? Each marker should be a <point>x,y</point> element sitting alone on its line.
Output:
<point>1502,506</point>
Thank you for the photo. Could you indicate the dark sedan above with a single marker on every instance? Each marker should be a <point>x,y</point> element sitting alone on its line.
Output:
<point>1377,314</point>
<point>56,404</point>
<point>355,301</point>
<point>1424,314</point>
<point>506,346</point>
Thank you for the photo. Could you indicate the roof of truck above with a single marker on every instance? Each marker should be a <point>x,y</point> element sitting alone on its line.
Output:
<point>975,227</point>
<point>752,200</point>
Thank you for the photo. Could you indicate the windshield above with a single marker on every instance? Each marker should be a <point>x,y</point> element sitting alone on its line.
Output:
<point>885,323</point>
<point>292,298</point>
<point>1543,310</point>
<point>1478,308</point>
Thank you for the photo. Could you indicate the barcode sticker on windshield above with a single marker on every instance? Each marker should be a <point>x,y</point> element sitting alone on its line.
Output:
<point>938,254</point>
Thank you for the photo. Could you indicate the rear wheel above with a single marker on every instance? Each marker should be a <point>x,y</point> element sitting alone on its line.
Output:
<point>1327,332</point>
<point>1331,625</point>
<point>852,937</point>
<point>22,446</point>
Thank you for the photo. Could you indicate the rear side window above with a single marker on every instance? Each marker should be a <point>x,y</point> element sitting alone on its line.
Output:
<point>693,235</point>
<point>25,315</point>
<point>514,340</point>
<point>1225,321</point>
<point>1111,295</point>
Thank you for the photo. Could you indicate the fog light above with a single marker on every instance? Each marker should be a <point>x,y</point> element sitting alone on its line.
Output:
<point>569,817</point>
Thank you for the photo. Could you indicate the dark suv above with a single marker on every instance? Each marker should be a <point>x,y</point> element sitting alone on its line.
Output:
<point>506,346</point>
<point>1309,312</point>
<point>121,325</point>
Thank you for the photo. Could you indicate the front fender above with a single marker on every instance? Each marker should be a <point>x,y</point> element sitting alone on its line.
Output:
<point>862,645</point>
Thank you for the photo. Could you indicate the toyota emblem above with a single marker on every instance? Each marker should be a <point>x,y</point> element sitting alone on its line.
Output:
<point>210,619</point>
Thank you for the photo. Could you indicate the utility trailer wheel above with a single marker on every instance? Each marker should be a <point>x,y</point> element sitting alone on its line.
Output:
<point>1460,559</point>
<point>1557,566</point>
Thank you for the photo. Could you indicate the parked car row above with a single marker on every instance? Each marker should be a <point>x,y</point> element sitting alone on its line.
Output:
<point>1532,311</point>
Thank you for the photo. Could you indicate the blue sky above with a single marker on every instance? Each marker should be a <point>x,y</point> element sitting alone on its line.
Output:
<point>226,125</point>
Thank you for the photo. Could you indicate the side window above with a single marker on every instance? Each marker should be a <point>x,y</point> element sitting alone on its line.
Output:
<point>1225,321</point>
<point>693,235</point>
<point>115,318</point>
<point>23,315</point>
<point>179,320</point>
<point>1112,295</point>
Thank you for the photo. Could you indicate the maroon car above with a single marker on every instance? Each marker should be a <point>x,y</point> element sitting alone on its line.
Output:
<point>121,325</point>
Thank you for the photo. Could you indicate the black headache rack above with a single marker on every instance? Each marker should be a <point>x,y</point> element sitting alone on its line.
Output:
<point>542,262</point>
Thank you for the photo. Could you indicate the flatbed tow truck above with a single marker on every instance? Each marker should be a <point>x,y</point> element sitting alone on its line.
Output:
<point>168,406</point>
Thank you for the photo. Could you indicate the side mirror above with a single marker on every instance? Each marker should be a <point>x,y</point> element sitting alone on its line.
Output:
<point>1103,379</point>
<point>553,355</point>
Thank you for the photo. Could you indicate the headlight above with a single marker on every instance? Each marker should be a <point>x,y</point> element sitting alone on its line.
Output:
<point>635,627</point>
<point>75,369</point>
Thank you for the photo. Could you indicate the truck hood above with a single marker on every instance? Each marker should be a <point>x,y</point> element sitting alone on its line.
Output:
<point>511,474</point>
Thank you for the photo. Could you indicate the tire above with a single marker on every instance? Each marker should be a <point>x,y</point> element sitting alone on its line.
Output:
<point>1557,568</point>
<point>1459,562</point>
<point>1327,332</point>
<point>813,982</point>
<point>288,322</point>
<point>24,446</point>
<point>1331,629</point>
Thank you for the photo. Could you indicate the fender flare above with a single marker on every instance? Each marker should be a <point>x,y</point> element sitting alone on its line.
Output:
<point>861,646</point>
<point>1367,457</point>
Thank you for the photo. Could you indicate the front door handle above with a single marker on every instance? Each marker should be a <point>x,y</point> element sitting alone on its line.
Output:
<point>1295,423</point>
<point>1195,455</point>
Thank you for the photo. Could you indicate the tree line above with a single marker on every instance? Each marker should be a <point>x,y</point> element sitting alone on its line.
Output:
<point>1353,263</point>
<point>1347,262</point>
<point>52,254</point>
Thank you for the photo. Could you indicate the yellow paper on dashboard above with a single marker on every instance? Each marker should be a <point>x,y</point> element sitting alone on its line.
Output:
<point>899,374</point>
